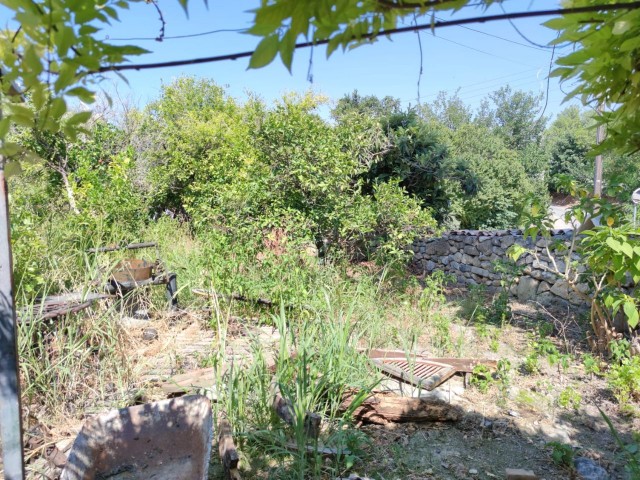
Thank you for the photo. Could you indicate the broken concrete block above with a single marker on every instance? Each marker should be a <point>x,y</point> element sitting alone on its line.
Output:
<point>167,439</point>
<point>520,474</point>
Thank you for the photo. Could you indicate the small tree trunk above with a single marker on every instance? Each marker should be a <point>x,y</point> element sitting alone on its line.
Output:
<point>70,196</point>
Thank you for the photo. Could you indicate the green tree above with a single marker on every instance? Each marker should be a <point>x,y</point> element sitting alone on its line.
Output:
<point>516,116</point>
<point>448,110</point>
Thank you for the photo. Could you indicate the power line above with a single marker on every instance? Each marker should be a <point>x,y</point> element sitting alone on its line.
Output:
<point>175,37</point>
<point>492,80</point>
<point>482,51</point>
<point>431,26</point>
<point>500,38</point>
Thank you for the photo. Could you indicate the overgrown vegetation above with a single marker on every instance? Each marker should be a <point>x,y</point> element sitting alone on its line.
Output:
<point>274,201</point>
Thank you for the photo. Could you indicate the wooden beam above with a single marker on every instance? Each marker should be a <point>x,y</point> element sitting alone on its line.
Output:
<point>384,407</point>
<point>227,449</point>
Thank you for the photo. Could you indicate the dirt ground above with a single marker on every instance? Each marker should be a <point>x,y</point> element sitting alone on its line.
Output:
<point>507,427</point>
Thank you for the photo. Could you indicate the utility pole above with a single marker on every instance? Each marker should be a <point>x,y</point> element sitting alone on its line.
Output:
<point>597,174</point>
<point>10,409</point>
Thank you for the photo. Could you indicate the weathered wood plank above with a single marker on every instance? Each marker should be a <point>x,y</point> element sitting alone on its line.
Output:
<point>227,449</point>
<point>383,407</point>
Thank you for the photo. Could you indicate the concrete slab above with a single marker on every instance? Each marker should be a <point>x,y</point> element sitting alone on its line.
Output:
<point>166,439</point>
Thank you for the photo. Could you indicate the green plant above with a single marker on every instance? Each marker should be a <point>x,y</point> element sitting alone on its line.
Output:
<point>481,378</point>
<point>569,398</point>
<point>629,451</point>
<point>624,380</point>
<point>432,295</point>
<point>531,363</point>
<point>591,364</point>
<point>562,454</point>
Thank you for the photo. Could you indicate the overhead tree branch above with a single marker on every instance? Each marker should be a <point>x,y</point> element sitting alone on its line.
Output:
<point>431,26</point>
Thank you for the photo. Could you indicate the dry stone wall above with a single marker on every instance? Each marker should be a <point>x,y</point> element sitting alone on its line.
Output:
<point>470,255</point>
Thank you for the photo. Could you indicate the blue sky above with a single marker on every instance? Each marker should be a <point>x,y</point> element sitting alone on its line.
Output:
<point>454,58</point>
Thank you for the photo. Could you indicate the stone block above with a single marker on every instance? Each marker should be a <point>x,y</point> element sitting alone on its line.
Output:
<point>484,248</point>
<point>507,241</point>
<point>445,260</point>
<point>486,265</point>
<point>480,272</point>
<point>527,289</point>
<point>437,248</point>
<point>471,250</point>
<point>453,265</point>
<point>430,266</point>
<point>560,289</point>
<point>457,256</point>
<point>543,287</point>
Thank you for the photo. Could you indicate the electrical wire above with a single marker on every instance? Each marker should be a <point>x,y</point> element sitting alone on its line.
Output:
<point>175,37</point>
<point>482,51</point>
<point>500,38</point>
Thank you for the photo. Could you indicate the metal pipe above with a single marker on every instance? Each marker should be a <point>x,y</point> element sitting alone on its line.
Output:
<point>10,409</point>
<point>131,246</point>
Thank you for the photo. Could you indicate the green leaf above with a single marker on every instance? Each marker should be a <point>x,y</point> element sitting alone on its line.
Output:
<point>614,244</point>
<point>5,123</point>
<point>631,312</point>
<point>58,108</point>
<point>83,94</point>
<point>621,27</point>
<point>287,47</point>
<point>627,250</point>
<point>265,51</point>
<point>9,149</point>
<point>12,168</point>
<point>78,118</point>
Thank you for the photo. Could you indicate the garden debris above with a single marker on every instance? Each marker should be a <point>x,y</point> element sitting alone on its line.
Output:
<point>167,439</point>
<point>520,474</point>
<point>320,449</point>
<point>56,458</point>
<point>233,296</point>
<point>131,274</point>
<point>202,378</point>
<point>284,409</point>
<point>383,408</point>
<point>55,306</point>
<point>421,371</point>
<point>227,449</point>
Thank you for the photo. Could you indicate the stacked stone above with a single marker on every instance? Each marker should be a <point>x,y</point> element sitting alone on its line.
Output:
<point>470,255</point>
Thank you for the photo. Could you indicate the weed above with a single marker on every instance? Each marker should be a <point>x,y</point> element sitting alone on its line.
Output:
<point>591,364</point>
<point>569,398</point>
<point>630,452</point>
<point>481,378</point>
<point>624,380</point>
<point>531,364</point>
<point>503,378</point>
<point>562,454</point>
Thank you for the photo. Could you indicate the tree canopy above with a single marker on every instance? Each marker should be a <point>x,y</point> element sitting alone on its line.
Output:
<point>56,54</point>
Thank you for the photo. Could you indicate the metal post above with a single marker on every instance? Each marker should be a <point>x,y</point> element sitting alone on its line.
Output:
<point>597,174</point>
<point>10,411</point>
